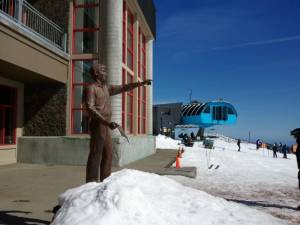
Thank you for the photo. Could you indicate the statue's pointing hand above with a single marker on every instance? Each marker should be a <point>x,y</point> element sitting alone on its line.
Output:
<point>147,82</point>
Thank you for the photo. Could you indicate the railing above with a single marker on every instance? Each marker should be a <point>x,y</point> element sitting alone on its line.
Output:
<point>25,14</point>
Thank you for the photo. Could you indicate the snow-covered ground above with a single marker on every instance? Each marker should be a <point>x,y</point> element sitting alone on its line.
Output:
<point>249,177</point>
<point>164,142</point>
<point>247,187</point>
<point>131,197</point>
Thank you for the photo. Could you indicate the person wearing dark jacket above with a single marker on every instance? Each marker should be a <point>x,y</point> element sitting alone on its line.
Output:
<point>192,136</point>
<point>296,134</point>
<point>298,158</point>
<point>274,148</point>
<point>284,151</point>
<point>258,144</point>
<point>239,144</point>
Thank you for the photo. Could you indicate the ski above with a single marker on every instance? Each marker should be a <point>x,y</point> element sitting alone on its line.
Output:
<point>210,166</point>
<point>217,167</point>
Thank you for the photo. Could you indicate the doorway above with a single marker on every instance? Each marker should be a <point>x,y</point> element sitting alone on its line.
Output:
<point>8,109</point>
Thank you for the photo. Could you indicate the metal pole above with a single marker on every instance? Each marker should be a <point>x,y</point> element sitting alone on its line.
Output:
<point>161,123</point>
<point>64,42</point>
<point>20,7</point>
<point>249,137</point>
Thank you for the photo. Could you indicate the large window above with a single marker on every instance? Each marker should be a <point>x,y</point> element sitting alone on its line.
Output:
<point>85,49</point>
<point>130,40</point>
<point>141,77</point>
<point>8,109</point>
<point>128,68</point>
<point>220,113</point>
<point>85,26</point>
<point>134,69</point>
<point>127,104</point>
<point>81,78</point>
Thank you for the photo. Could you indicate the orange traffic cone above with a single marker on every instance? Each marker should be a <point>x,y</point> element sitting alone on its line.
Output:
<point>177,162</point>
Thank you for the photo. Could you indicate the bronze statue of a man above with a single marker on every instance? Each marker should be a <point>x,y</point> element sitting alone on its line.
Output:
<point>98,106</point>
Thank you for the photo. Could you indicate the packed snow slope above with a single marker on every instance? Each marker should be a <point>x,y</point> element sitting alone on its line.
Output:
<point>250,177</point>
<point>131,197</point>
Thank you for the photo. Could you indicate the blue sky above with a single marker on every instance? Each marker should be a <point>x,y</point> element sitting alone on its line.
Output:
<point>246,52</point>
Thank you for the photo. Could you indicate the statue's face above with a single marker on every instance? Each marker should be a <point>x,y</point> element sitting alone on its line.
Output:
<point>99,73</point>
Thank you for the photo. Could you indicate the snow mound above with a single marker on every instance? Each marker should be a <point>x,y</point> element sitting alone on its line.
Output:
<point>164,142</point>
<point>132,197</point>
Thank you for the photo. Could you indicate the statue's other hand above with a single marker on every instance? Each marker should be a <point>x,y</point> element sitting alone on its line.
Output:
<point>147,82</point>
<point>113,125</point>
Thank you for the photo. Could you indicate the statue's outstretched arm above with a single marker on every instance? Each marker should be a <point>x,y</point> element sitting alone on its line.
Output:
<point>117,89</point>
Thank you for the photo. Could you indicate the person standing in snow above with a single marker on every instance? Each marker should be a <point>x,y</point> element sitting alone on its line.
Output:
<point>258,144</point>
<point>192,136</point>
<point>296,134</point>
<point>274,148</point>
<point>239,144</point>
<point>284,151</point>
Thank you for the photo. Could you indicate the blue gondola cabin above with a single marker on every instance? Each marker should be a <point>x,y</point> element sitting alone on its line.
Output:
<point>208,114</point>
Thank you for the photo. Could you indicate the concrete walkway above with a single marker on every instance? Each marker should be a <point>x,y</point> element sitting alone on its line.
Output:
<point>7,156</point>
<point>28,192</point>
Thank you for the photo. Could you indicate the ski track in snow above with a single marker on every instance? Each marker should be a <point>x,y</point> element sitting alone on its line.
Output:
<point>250,177</point>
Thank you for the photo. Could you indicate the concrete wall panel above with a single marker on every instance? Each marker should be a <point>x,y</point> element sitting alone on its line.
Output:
<point>22,52</point>
<point>74,150</point>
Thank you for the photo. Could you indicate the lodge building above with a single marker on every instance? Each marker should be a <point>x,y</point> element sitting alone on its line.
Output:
<point>46,51</point>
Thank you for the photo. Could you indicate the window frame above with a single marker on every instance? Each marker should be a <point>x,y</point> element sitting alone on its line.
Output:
<point>83,29</point>
<point>127,70</point>
<point>80,56</point>
<point>73,85</point>
<point>130,31</point>
<point>142,91</point>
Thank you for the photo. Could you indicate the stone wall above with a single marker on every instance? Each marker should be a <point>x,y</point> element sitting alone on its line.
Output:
<point>45,110</point>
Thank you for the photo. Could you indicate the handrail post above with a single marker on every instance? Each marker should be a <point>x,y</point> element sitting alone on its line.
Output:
<point>64,42</point>
<point>20,9</point>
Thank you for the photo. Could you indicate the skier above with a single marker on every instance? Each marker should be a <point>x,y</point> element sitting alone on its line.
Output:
<point>284,151</point>
<point>192,136</point>
<point>274,148</point>
<point>258,144</point>
<point>239,144</point>
<point>296,134</point>
<point>185,139</point>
